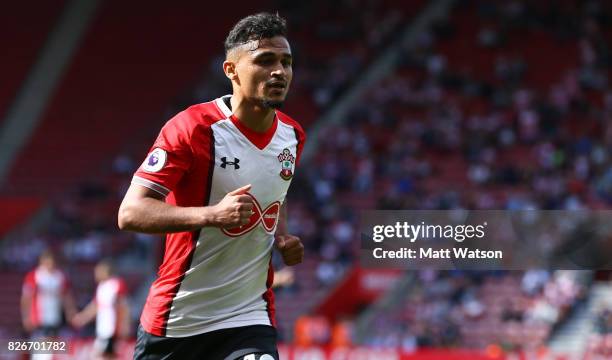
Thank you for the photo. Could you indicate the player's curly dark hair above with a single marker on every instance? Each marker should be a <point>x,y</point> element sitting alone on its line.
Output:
<point>255,27</point>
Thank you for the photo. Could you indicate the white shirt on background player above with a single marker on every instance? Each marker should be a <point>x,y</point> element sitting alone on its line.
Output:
<point>108,294</point>
<point>47,289</point>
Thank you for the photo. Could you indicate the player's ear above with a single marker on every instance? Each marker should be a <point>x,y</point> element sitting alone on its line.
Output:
<point>229,68</point>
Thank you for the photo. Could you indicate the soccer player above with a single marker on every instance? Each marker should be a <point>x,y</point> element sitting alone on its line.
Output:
<point>45,299</point>
<point>215,181</point>
<point>110,309</point>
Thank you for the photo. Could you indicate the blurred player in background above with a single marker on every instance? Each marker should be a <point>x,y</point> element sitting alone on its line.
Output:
<point>215,180</point>
<point>110,309</point>
<point>46,299</point>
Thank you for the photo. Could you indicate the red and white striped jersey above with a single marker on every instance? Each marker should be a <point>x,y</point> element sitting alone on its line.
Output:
<point>46,289</point>
<point>108,294</point>
<point>215,278</point>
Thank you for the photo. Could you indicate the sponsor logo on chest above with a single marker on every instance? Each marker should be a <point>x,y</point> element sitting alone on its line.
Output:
<point>267,218</point>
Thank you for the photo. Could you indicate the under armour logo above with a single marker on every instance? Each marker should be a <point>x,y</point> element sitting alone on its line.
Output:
<point>224,163</point>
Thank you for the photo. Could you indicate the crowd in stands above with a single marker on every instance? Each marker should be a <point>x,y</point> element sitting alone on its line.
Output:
<point>437,134</point>
<point>600,342</point>
<point>434,134</point>
<point>478,309</point>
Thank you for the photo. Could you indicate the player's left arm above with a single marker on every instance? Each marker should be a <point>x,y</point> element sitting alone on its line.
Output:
<point>69,305</point>
<point>124,317</point>
<point>85,316</point>
<point>289,246</point>
<point>68,302</point>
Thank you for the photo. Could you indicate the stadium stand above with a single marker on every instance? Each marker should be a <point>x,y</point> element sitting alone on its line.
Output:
<point>469,121</point>
<point>476,310</point>
<point>16,210</point>
<point>601,341</point>
<point>121,58</point>
<point>22,44</point>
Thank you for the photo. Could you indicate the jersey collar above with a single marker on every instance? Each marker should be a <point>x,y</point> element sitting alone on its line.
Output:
<point>223,107</point>
<point>259,139</point>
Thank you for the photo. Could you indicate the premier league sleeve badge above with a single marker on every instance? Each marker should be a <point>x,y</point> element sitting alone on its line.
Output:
<point>155,161</point>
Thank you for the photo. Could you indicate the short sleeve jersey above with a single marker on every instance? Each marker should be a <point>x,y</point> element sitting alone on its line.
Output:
<point>108,294</point>
<point>215,278</point>
<point>46,289</point>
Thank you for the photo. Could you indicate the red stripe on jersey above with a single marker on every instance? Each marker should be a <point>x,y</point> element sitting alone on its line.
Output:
<point>192,190</point>
<point>268,296</point>
<point>29,285</point>
<point>35,312</point>
<point>299,133</point>
<point>177,260</point>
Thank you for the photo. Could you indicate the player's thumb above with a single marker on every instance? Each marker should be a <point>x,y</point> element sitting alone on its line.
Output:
<point>279,242</point>
<point>240,190</point>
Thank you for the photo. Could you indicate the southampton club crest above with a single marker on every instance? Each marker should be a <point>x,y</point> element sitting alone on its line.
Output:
<point>287,160</point>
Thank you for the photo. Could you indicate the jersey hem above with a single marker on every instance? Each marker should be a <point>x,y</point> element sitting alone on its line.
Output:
<point>224,325</point>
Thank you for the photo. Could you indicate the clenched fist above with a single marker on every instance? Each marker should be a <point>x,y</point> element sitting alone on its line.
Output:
<point>234,209</point>
<point>290,247</point>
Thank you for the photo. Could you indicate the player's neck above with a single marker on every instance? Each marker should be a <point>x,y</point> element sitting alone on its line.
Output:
<point>253,116</point>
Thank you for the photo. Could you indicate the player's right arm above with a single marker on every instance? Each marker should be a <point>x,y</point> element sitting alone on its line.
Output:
<point>144,210</point>
<point>26,301</point>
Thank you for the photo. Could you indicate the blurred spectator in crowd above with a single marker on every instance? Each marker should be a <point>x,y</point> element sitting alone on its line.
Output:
<point>603,321</point>
<point>601,341</point>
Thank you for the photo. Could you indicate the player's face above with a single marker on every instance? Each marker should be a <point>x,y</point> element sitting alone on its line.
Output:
<point>265,71</point>
<point>101,272</point>
<point>47,262</point>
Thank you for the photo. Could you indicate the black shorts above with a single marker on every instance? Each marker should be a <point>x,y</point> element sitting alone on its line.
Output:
<point>257,342</point>
<point>45,332</point>
<point>105,346</point>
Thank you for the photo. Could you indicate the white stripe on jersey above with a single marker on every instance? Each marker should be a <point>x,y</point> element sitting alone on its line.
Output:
<point>50,285</point>
<point>107,294</point>
<point>151,185</point>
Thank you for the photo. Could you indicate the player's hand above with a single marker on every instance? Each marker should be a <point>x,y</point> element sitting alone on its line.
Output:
<point>234,209</point>
<point>77,321</point>
<point>124,330</point>
<point>291,249</point>
<point>283,277</point>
